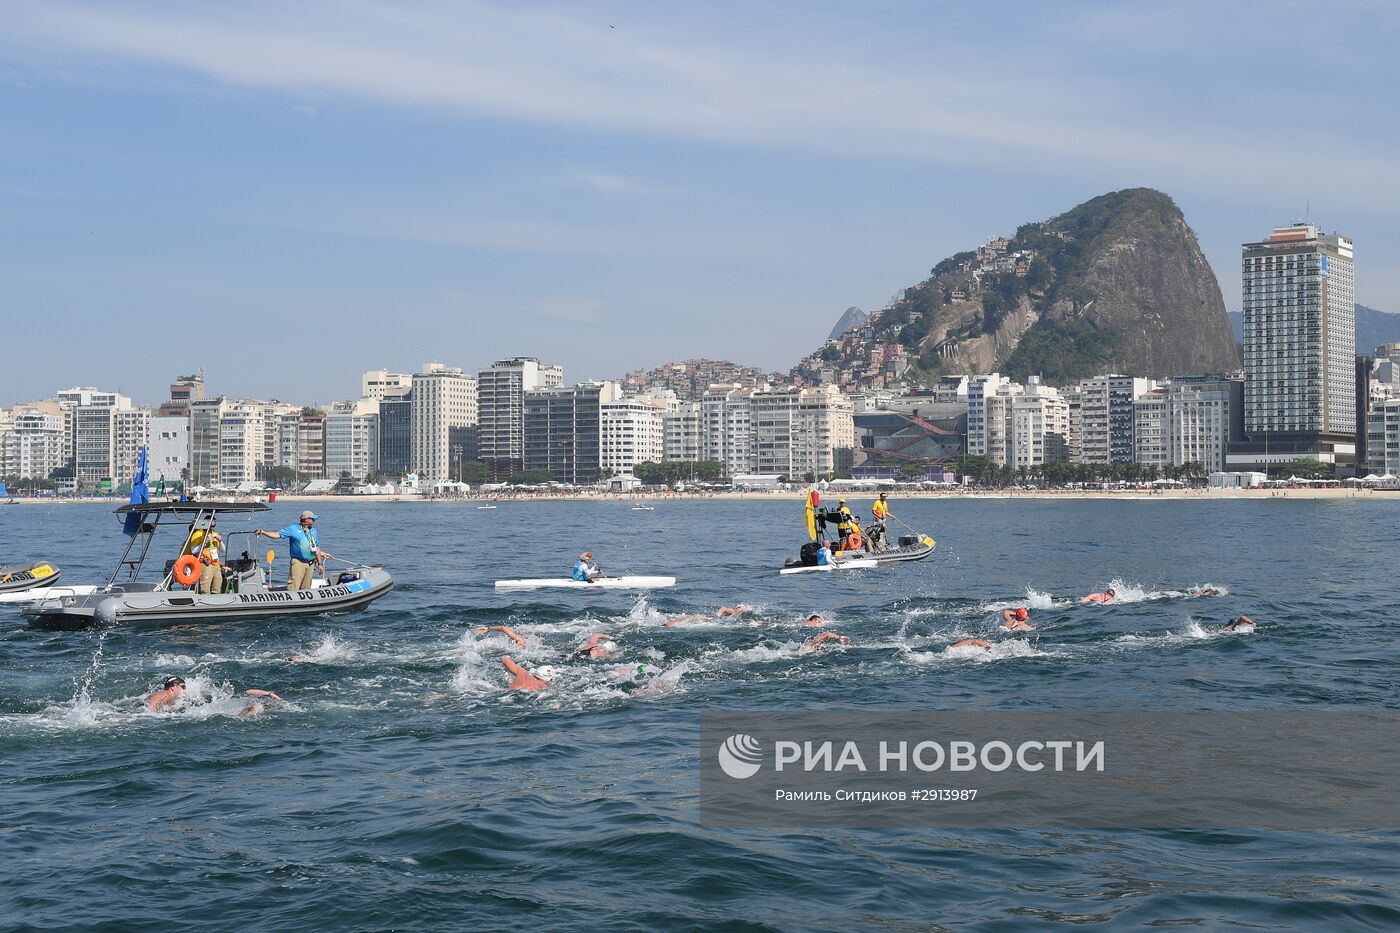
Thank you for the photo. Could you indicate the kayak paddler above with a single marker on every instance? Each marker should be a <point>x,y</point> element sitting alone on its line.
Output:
<point>585,571</point>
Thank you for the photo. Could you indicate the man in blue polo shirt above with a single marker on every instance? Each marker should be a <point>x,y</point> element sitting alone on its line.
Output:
<point>306,554</point>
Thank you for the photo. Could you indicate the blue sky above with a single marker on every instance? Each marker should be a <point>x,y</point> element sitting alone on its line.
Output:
<point>287,194</point>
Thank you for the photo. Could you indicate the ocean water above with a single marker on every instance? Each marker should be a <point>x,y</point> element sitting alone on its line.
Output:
<point>400,787</point>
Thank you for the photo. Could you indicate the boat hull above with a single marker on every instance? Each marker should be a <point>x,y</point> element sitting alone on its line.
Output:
<point>855,564</point>
<point>30,577</point>
<point>606,583</point>
<point>143,607</point>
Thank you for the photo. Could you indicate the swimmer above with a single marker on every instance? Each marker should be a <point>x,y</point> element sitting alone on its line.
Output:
<point>641,670</point>
<point>1107,598</point>
<point>167,694</point>
<point>255,706</point>
<point>1198,591</point>
<point>970,643</point>
<point>824,638</point>
<point>594,648</point>
<point>723,612</point>
<point>1014,620</point>
<point>1241,624</point>
<point>814,619</point>
<point>524,680</point>
<point>505,630</point>
<point>302,659</point>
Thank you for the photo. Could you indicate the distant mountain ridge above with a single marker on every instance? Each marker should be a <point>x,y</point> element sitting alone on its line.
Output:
<point>1373,327</point>
<point>854,317</point>
<point>1116,284</point>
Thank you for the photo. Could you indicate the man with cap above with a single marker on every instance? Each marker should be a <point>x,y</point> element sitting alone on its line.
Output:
<point>585,571</point>
<point>843,522</point>
<point>307,558</point>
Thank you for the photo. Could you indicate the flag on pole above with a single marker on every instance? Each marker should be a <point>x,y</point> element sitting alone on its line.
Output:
<point>140,495</point>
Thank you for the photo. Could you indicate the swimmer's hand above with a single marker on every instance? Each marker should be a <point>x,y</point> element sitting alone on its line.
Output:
<point>264,693</point>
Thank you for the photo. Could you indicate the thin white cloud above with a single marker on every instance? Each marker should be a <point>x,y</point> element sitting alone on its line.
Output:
<point>968,100</point>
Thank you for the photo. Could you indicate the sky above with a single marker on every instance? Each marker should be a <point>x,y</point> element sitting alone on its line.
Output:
<point>288,194</point>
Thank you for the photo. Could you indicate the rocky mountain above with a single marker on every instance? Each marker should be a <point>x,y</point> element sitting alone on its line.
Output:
<point>1373,328</point>
<point>854,317</point>
<point>1117,284</point>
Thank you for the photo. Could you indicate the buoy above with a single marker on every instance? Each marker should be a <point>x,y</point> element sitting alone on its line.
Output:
<point>188,570</point>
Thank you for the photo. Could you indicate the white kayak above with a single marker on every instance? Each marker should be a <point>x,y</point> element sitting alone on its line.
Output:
<point>51,592</point>
<point>859,564</point>
<point>604,583</point>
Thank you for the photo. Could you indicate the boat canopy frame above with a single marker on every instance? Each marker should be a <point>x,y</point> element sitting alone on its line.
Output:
<point>200,513</point>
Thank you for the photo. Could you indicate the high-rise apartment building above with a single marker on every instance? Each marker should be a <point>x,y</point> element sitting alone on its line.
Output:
<point>169,455</point>
<point>352,448</point>
<point>1038,426</point>
<point>500,392</point>
<point>1106,417</point>
<point>444,400</point>
<point>563,430</point>
<point>632,432</point>
<point>682,433</point>
<point>1299,349</point>
<point>32,446</point>
<point>395,442</point>
<point>727,430</point>
<point>797,432</point>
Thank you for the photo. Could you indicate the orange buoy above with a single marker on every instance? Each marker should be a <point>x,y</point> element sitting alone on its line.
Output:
<point>188,570</point>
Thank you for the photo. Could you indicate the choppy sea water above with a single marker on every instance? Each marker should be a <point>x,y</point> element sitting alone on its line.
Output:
<point>400,787</point>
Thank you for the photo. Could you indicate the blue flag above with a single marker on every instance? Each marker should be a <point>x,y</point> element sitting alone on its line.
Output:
<point>140,495</point>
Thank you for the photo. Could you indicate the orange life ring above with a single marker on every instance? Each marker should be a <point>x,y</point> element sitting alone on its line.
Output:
<point>188,570</point>
<point>853,541</point>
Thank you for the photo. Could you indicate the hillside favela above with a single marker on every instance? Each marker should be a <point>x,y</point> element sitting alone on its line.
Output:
<point>722,468</point>
<point>1092,350</point>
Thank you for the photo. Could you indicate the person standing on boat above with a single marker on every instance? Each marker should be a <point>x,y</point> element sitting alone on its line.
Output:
<point>843,522</point>
<point>880,512</point>
<point>307,558</point>
<point>211,577</point>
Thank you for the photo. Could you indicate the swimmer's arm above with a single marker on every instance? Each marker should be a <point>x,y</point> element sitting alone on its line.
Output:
<point>510,633</point>
<point>264,693</point>
<point>514,668</point>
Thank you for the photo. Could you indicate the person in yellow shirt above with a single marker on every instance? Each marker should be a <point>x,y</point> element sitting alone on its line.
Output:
<point>880,511</point>
<point>208,547</point>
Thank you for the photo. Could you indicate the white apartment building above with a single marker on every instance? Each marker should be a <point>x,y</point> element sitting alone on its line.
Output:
<point>206,415</point>
<point>682,432</point>
<point>1182,423</point>
<point>798,431</point>
<point>631,432</point>
<point>381,384</point>
<point>241,443</point>
<point>444,399</point>
<point>351,447</point>
<point>727,430</point>
<point>169,454</point>
<point>1383,438</point>
<point>979,436</point>
<point>1039,426</point>
<point>500,392</point>
<point>1106,417</point>
<point>32,445</point>
<point>131,430</point>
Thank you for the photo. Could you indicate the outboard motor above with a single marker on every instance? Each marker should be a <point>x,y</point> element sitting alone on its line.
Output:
<point>808,554</point>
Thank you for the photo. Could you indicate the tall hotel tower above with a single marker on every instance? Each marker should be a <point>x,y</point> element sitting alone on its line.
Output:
<point>1299,350</point>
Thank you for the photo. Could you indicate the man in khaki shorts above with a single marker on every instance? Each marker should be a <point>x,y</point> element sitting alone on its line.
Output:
<point>307,557</point>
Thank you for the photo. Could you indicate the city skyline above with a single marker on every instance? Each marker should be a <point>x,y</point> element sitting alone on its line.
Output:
<point>617,185</point>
